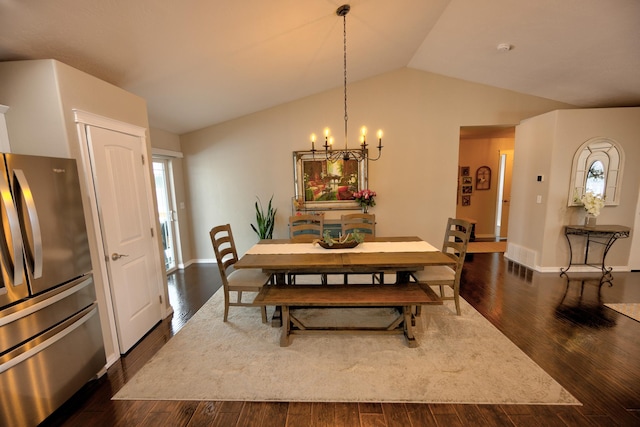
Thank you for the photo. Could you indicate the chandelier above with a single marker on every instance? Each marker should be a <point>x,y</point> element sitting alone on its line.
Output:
<point>346,153</point>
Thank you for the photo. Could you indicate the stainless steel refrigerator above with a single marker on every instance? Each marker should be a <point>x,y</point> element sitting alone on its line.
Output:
<point>50,337</point>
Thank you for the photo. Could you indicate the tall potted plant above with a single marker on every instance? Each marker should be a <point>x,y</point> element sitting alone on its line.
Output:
<point>266,220</point>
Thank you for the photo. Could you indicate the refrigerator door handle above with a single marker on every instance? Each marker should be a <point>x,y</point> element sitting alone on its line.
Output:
<point>14,266</point>
<point>36,250</point>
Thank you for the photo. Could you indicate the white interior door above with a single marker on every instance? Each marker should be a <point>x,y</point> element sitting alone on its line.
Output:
<point>123,203</point>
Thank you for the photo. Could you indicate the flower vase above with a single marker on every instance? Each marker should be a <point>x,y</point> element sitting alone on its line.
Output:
<point>590,220</point>
<point>365,209</point>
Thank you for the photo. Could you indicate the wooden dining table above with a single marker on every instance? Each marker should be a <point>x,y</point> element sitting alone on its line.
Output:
<point>399,255</point>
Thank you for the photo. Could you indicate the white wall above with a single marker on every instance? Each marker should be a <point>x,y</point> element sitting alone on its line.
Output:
<point>228,165</point>
<point>546,145</point>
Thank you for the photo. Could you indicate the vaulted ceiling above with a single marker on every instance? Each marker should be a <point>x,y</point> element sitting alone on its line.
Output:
<point>202,62</point>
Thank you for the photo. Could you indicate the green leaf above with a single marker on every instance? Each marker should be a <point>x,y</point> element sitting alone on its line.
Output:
<point>265,222</point>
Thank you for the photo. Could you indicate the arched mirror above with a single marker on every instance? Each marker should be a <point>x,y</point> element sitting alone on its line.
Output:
<point>595,178</point>
<point>597,167</point>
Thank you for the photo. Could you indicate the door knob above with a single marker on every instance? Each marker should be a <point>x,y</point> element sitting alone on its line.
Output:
<point>116,256</point>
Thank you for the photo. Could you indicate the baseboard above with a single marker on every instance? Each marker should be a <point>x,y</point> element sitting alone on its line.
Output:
<point>202,261</point>
<point>574,268</point>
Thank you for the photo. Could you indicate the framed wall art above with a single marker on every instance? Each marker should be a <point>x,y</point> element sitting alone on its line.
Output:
<point>466,200</point>
<point>467,180</point>
<point>467,189</point>
<point>464,171</point>
<point>321,184</point>
<point>483,178</point>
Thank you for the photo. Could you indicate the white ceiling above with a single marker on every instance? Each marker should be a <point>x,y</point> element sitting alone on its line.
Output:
<point>201,62</point>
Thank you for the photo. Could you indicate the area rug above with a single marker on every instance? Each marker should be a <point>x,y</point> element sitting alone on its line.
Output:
<point>631,310</point>
<point>486,247</point>
<point>460,359</point>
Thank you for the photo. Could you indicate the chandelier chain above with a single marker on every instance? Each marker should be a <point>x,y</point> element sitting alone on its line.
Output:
<point>346,117</point>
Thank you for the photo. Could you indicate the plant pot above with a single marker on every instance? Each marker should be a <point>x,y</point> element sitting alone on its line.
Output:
<point>590,220</point>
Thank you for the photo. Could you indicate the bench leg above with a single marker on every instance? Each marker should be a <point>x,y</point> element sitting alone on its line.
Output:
<point>408,329</point>
<point>286,327</point>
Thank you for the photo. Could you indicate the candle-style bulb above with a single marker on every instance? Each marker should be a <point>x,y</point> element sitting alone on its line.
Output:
<point>326,132</point>
<point>379,133</point>
<point>363,131</point>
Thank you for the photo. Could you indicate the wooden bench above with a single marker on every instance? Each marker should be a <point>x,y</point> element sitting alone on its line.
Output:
<point>404,296</point>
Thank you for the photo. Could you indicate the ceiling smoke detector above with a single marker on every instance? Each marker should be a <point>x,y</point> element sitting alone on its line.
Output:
<point>504,47</point>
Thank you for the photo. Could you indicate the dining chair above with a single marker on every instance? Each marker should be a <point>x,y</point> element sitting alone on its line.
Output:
<point>306,228</point>
<point>364,223</point>
<point>456,238</point>
<point>238,281</point>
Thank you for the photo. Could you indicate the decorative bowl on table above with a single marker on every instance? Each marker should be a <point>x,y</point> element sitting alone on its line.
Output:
<point>351,240</point>
<point>336,245</point>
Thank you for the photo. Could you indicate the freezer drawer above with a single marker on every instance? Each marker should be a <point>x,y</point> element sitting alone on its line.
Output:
<point>38,377</point>
<point>24,321</point>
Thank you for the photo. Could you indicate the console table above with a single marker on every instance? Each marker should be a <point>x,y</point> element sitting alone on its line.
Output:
<point>605,235</point>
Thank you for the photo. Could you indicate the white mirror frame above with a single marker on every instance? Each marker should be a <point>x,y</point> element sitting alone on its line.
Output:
<point>609,152</point>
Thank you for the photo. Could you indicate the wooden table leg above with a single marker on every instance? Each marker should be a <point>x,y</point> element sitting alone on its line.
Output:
<point>408,329</point>
<point>276,319</point>
<point>286,327</point>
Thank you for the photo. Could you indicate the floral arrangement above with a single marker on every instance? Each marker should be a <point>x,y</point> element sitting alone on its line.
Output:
<point>365,198</point>
<point>592,203</point>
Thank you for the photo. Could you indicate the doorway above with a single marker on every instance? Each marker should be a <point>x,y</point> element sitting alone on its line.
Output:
<point>485,160</point>
<point>503,198</point>
<point>167,213</point>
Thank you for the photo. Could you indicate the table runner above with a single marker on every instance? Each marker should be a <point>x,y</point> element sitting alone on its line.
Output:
<point>365,247</point>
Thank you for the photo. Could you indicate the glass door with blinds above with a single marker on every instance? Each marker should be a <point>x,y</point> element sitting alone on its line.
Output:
<point>166,210</point>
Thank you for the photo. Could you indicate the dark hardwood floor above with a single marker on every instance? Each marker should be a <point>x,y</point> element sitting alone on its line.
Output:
<point>562,325</point>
